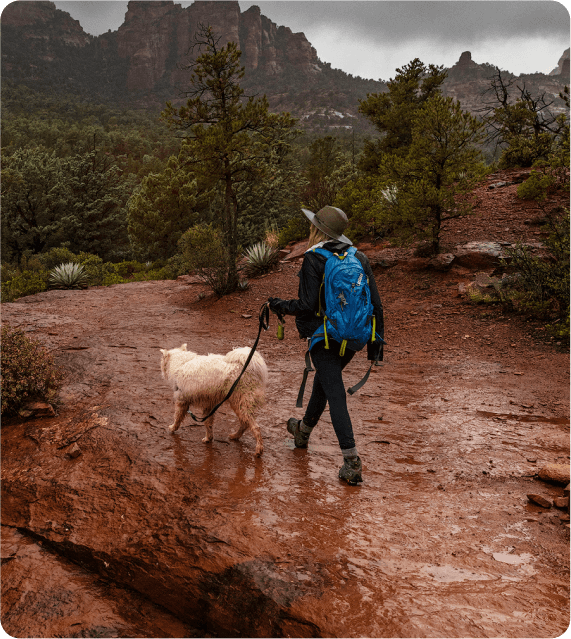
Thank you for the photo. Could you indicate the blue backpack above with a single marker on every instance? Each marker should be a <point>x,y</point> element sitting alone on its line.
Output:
<point>348,317</point>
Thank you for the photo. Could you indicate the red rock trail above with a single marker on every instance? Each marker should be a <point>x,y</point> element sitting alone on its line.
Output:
<point>207,540</point>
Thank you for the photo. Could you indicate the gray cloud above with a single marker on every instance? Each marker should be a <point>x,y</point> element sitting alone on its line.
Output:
<point>455,21</point>
<point>372,37</point>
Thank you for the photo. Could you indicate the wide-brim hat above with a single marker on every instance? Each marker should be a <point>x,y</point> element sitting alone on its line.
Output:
<point>331,220</point>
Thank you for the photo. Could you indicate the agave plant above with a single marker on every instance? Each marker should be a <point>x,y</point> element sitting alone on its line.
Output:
<point>70,275</point>
<point>260,258</point>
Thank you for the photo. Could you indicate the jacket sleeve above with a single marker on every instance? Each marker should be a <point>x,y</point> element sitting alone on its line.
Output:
<point>310,277</point>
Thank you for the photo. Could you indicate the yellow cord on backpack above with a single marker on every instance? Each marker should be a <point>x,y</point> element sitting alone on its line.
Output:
<point>374,327</point>
<point>342,349</point>
<point>325,333</point>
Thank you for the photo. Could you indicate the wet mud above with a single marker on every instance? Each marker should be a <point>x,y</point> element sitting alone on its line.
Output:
<point>148,533</point>
<point>113,526</point>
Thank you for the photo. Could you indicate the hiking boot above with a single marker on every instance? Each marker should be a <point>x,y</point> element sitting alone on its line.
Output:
<point>351,470</point>
<point>300,432</point>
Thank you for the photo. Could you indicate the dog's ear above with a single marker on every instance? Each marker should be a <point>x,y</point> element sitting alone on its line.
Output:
<point>183,347</point>
<point>163,351</point>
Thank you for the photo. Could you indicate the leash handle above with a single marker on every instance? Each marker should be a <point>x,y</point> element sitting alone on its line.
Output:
<point>264,320</point>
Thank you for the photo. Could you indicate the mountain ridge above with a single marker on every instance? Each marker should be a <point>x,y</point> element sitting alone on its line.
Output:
<point>140,64</point>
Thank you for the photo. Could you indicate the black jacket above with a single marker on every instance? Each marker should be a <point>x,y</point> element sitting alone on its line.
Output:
<point>306,307</point>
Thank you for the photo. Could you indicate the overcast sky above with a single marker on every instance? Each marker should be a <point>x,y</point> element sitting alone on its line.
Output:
<point>372,38</point>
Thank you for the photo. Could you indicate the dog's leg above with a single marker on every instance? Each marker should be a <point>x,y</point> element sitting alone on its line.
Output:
<point>246,422</point>
<point>181,407</point>
<point>245,407</point>
<point>208,425</point>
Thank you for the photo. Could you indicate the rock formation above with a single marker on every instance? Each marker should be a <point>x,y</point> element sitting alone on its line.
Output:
<point>468,81</point>
<point>142,64</point>
<point>562,67</point>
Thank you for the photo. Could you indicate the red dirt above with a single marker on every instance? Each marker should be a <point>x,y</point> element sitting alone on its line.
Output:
<point>440,540</point>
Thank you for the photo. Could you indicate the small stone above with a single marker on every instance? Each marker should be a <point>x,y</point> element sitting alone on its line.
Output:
<point>246,316</point>
<point>557,473</point>
<point>74,451</point>
<point>539,500</point>
<point>37,409</point>
<point>561,502</point>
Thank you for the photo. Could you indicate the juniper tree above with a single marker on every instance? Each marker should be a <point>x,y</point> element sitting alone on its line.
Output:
<point>161,210</point>
<point>412,193</point>
<point>231,139</point>
<point>393,112</point>
<point>431,183</point>
<point>47,200</point>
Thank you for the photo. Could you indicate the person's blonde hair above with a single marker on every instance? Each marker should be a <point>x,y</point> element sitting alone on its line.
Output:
<point>316,236</point>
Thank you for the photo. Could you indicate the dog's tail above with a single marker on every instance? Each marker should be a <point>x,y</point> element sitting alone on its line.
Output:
<point>257,366</point>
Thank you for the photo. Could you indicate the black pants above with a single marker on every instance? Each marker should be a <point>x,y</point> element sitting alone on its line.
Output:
<point>328,388</point>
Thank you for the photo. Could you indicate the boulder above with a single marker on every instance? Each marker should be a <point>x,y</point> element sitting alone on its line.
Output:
<point>479,254</point>
<point>442,261</point>
<point>556,473</point>
<point>561,502</point>
<point>36,409</point>
<point>539,500</point>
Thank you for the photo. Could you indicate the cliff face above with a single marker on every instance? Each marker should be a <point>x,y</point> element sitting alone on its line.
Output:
<point>155,39</point>
<point>142,63</point>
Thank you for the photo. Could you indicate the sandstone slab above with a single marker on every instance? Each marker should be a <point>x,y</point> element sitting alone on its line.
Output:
<point>539,500</point>
<point>557,473</point>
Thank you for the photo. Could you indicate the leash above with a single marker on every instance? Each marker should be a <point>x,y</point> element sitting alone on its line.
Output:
<point>264,321</point>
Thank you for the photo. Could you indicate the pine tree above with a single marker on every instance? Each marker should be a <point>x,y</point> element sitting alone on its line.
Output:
<point>393,112</point>
<point>430,184</point>
<point>231,139</point>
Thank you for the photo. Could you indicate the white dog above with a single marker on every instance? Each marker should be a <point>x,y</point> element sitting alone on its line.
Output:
<point>202,381</point>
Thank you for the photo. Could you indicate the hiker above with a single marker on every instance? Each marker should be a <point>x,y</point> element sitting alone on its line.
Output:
<point>328,388</point>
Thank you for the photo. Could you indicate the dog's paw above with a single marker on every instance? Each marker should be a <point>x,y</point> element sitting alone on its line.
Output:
<point>235,435</point>
<point>173,428</point>
<point>207,440</point>
<point>259,450</point>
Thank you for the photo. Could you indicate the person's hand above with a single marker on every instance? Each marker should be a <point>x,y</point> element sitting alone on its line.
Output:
<point>273,304</point>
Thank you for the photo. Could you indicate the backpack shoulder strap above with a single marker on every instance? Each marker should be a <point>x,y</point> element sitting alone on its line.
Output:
<point>322,251</point>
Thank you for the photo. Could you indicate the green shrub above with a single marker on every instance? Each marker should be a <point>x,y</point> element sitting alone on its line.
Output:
<point>523,152</point>
<point>204,252</point>
<point>260,258</point>
<point>28,371</point>
<point>295,230</point>
<point>57,255</point>
<point>24,283</point>
<point>542,290</point>
<point>127,268</point>
<point>536,187</point>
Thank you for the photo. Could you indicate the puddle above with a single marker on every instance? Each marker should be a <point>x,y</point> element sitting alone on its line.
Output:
<point>508,558</point>
<point>447,574</point>
<point>558,421</point>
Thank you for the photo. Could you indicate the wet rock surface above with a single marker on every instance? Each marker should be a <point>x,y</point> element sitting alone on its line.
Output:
<point>158,534</point>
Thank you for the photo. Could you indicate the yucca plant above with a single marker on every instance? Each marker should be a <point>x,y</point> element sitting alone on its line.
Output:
<point>260,258</point>
<point>66,276</point>
<point>390,194</point>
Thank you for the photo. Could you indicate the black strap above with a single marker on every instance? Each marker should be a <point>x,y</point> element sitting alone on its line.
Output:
<point>306,370</point>
<point>264,320</point>
<point>360,384</point>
